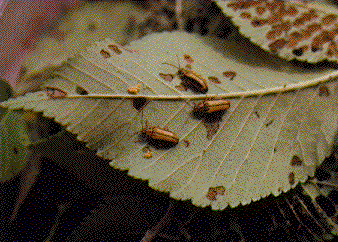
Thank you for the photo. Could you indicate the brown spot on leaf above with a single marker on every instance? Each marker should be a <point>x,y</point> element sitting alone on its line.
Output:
<point>211,195</point>
<point>292,178</point>
<point>277,45</point>
<point>321,39</point>
<point>139,103</point>
<point>310,15</point>
<point>259,22</point>
<point>257,114</point>
<point>332,50</point>
<point>230,74</point>
<point>306,34</point>
<point>214,79</point>
<point>245,15</point>
<point>242,5</point>
<point>167,77</point>
<point>286,26</point>
<point>220,190</point>
<point>115,49</point>
<point>314,27</point>
<point>296,161</point>
<point>211,128</point>
<point>298,22</point>
<point>260,10</point>
<point>324,91</point>
<point>329,19</point>
<point>291,11</point>
<point>273,34</point>
<point>105,54</point>
<point>188,59</point>
<point>186,143</point>
<point>275,18</point>
<point>294,39</point>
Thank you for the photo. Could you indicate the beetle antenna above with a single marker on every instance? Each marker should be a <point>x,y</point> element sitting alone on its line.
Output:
<point>178,60</point>
<point>171,65</point>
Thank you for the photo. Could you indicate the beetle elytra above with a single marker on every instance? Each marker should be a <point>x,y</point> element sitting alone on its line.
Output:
<point>160,135</point>
<point>191,79</point>
<point>211,106</point>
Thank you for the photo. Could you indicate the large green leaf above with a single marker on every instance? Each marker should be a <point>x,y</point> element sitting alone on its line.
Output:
<point>278,129</point>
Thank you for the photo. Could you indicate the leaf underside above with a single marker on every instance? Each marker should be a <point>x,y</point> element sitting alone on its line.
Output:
<point>306,31</point>
<point>265,143</point>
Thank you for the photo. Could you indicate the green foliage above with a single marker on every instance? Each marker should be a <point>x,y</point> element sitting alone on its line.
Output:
<point>13,145</point>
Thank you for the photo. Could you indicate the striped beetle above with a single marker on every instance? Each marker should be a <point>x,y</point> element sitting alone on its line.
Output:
<point>191,79</point>
<point>211,106</point>
<point>156,134</point>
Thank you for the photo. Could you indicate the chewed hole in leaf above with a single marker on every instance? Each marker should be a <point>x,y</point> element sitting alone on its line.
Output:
<point>139,103</point>
<point>300,51</point>
<point>167,77</point>
<point>54,92</point>
<point>115,49</point>
<point>105,54</point>
<point>81,91</point>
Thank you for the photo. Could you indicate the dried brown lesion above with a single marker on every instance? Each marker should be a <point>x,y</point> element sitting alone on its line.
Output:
<point>214,192</point>
<point>214,79</point>
<point>105,54</point>
<point>115,49</point>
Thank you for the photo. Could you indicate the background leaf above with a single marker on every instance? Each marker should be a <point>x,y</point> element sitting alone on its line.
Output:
<point>279,127</point>
<point>303,30</point>
<point>13,145</point>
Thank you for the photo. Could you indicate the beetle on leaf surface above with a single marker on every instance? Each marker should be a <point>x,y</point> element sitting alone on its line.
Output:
<point>191,79</point>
